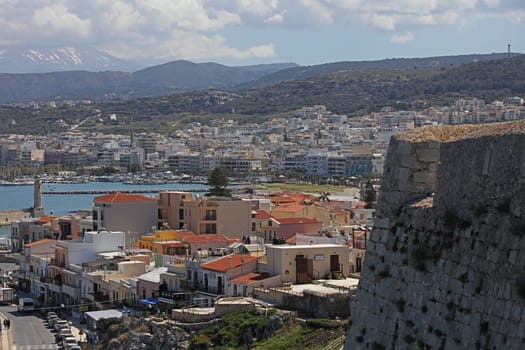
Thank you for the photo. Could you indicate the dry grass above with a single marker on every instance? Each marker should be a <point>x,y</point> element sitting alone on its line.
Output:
<point>449,133</point>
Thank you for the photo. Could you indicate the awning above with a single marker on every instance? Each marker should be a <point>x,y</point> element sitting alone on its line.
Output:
<point>150,301</point>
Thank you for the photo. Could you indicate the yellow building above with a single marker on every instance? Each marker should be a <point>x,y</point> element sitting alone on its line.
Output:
<point>303,263</point>
<point>205,215</point>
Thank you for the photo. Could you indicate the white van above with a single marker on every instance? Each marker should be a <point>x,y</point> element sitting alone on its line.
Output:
<point>26,305</point>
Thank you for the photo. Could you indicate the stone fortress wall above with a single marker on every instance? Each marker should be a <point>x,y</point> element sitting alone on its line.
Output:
<point>445,267</point>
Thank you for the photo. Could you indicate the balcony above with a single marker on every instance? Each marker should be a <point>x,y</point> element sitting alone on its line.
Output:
<point>58,263</point>
<point>45,279</point>
<point>100,297</point>
<point>72,291</point>
<point>57,288</point>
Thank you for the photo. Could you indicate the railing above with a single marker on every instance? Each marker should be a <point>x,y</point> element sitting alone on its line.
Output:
<point>99,296</point>
<point>336,344</point>
<point>57,263</point>
<point>45,279</point>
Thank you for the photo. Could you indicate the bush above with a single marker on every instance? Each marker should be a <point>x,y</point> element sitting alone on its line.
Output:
<point>200,342</point>
<point>325,323</point>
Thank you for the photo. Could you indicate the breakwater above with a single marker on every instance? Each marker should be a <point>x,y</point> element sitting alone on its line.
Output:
<point>142,190</point>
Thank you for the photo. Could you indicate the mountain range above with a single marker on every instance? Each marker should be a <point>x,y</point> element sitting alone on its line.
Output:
<point>14,59</point>
<point>349,92</point>
<point>108,82</point>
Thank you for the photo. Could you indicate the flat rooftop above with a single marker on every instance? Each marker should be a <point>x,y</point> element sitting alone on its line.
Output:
<point>324,286</point>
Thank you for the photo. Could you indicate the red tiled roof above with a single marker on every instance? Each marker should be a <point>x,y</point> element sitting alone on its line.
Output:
<point>290,207</point>
<point>250,278</point>
<point>341,211</point>
<point>262,215</point>
<point>204,238</point>
<point>281,200</point>
<point>294,221</point>
<point>46,219</point>
<point>221,264</point>
<point>119,197</point>
<point>33,244</point>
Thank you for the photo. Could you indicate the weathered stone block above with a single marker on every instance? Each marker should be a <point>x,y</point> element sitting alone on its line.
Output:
<point>425,177</point>
<point>427,155</point>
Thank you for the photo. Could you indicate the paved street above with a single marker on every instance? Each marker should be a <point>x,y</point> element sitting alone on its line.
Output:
<point>27,331</point>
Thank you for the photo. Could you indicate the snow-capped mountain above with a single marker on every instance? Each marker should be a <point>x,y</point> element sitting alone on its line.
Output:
<point>42,60</point>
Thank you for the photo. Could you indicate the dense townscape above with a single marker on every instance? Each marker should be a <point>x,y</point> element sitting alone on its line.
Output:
<point>312,143</point>
<point>264,175</point>
<point>191,258</point>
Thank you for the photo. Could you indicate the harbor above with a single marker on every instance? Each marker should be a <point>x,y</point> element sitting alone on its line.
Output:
<point>141,190</point>
<point>64,198</point>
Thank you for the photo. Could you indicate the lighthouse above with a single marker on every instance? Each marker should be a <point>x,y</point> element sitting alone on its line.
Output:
<point>38,211</point>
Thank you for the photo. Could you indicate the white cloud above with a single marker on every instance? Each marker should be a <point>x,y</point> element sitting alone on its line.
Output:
<point>257,7</point>
<point>402,38</point>
<point>198,29</point>
<point>275,19</point>
<point>319,10</point>
<point>56,19</point>
<point>382,22</point>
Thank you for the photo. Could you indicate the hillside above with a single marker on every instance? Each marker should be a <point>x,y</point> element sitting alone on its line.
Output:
<point>187,75</point>
<point>305,72</point>
<point>75,85</point>
<point>355,92</point>
<point>181,76</point>
<point>348,92</point>
<point>158,80</point>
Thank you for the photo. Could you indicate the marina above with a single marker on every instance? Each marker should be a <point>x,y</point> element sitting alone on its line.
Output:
<point>64,198</point>
<point>72,192</point>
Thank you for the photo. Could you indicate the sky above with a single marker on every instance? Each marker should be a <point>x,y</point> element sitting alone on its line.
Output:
<point>241,32</point>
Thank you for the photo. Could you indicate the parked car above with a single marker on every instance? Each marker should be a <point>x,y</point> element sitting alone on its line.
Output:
<point>51,320</point>
<point>64,333</point>
<point>68,342</point>
<point>60,324</point>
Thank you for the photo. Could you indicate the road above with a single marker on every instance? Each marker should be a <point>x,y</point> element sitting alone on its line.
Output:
<point>27,331</point>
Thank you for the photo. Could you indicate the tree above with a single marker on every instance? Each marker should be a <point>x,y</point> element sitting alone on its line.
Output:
<point>218,182</point>
<point>370,195</point>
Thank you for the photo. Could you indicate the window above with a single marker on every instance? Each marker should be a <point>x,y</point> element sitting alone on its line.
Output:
<point>211,228</point>
<point>269,222</point>
<point>211,214</point>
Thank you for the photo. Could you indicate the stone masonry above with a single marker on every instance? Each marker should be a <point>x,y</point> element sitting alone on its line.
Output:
<point>445,267</point>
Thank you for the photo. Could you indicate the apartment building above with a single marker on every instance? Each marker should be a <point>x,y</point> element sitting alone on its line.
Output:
<point>205,215</point>
<point>134,214</point>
